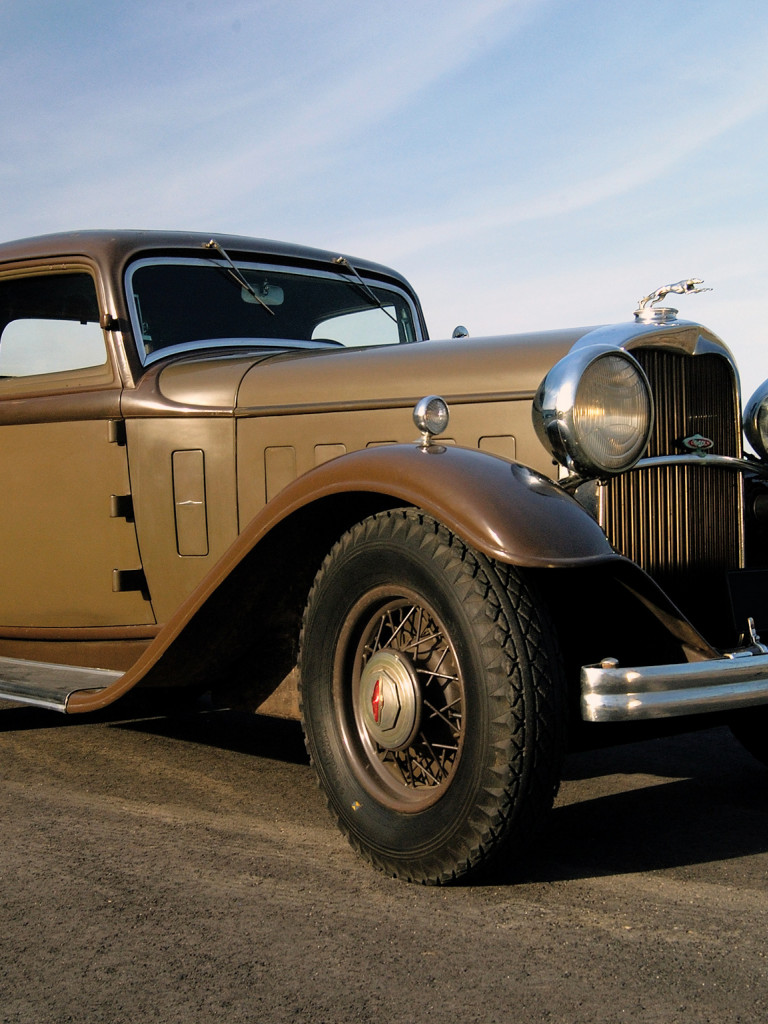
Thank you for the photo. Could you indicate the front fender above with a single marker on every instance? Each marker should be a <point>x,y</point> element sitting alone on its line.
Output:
<point>504,510</point>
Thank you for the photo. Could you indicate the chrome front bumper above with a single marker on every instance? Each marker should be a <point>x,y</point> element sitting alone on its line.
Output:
<point>611,693</point>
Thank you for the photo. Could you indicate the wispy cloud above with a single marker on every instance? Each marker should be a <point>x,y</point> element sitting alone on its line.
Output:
<point>487,149</point>
<point>324,106</point>
<point>198,108</point>
<point>626,171</point>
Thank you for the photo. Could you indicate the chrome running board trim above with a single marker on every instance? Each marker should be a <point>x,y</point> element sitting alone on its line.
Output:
<point>47,685</point>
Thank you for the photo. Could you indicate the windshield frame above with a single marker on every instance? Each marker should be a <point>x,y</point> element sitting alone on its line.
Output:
<point>257,341</point>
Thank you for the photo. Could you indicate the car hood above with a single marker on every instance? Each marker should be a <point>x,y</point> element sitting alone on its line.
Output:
<point>370,377</point>
<point>377,377</point>
<point>202,382</point>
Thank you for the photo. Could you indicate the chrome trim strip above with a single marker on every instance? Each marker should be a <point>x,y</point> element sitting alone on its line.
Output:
<point>79,634</point>
<point>47,703</point>
<point>724,461</point>
<point>572,482</point>
<point>621,694</point>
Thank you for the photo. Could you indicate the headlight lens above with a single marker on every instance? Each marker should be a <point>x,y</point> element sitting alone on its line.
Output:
<point>594,411</point>
<point>612,413</point>
<point>756,420</point>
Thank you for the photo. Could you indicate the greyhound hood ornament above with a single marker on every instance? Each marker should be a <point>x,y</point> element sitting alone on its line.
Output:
<point>647,310</point>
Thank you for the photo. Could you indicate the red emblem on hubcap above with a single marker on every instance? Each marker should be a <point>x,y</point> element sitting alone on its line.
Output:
<point>377,702</point>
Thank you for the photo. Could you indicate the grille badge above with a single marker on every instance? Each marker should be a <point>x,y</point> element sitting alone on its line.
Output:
<point>697,443</point>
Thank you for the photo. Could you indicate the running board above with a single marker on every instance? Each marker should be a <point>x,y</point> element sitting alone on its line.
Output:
<point>47,685</point>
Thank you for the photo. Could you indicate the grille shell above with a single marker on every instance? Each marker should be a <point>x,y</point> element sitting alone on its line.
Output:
<point>682,523</point>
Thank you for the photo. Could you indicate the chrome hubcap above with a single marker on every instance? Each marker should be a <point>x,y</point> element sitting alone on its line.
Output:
<point>390,701</point>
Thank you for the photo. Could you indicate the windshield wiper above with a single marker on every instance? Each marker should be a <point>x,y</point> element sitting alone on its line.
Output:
<point>234,272</point>
<point>342,261</point>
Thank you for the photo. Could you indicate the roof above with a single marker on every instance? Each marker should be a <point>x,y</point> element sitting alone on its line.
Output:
<point>117,247</point>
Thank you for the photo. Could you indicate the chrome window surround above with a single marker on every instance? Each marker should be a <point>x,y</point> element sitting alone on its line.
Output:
<point>148,358</point>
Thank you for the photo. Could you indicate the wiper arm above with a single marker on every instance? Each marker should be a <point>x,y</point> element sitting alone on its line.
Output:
<point>342,261</point>
<point>237,275</point>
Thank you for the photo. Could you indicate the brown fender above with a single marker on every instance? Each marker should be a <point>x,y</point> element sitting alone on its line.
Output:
<point>504,510</point>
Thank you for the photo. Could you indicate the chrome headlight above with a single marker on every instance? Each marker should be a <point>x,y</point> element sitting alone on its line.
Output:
<point>594,411</point>
<point>756,420</point>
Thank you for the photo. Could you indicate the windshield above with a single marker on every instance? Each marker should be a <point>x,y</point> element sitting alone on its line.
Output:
<point>189,303</point>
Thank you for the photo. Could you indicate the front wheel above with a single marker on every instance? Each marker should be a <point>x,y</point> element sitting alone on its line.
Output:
<point>432,699</point>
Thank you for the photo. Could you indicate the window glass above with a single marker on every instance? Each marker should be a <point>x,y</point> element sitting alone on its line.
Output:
<point>182,304</point>
<point>49,324</point>
<point>364,327</point>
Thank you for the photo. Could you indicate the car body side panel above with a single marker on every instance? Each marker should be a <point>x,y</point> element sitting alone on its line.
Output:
<point>504,510</point>
<point>274,450</point>
<point>296,411</point>
<point>205,412</point>
<point>185,501</point>
<point>57,522</point>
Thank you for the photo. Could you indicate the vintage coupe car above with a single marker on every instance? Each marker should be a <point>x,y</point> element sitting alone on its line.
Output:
<point>211,482</point>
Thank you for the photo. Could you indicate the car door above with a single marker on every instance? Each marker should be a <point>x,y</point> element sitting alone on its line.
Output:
<point>68,549</point>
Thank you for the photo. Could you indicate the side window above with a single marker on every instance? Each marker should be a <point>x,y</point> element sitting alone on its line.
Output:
<point>49,324</point>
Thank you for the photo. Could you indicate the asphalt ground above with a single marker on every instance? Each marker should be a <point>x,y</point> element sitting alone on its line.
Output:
<point>183,867</point>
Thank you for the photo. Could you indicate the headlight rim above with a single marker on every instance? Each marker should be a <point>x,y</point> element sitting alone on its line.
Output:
<point>757,405</point>
<point>555,402</point>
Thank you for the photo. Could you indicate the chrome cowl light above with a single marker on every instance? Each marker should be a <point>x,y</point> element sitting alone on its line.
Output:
<point>594,411</point>
<point>756,420</point>
<point>431,416</point>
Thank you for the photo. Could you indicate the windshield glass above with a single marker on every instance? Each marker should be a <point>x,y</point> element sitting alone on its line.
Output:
<point>181,304</point>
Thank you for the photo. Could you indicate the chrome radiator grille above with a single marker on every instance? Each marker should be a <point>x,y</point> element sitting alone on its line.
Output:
<point>682,523</point>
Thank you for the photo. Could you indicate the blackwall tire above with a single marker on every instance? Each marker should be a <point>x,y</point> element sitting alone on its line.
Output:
<point>432,699</point>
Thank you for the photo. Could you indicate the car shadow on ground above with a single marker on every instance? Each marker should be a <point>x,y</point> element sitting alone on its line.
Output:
<point>644,806</point>
<point>682,800</point>
<point>238,731</point>
<point>673,801</point>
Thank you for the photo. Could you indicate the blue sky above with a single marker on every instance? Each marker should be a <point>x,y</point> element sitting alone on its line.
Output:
<point>525,163</point>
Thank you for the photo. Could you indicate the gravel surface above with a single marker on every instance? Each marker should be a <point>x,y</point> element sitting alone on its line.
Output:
<point>183,868</point>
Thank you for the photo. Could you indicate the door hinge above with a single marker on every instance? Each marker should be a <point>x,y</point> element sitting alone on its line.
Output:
<point>121,507</point>
<point>117,434</point>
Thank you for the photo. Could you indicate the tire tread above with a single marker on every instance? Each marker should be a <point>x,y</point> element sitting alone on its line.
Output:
<point>527,718</point>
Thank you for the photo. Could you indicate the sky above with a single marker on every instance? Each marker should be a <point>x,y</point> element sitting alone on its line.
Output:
<point>527,164</point>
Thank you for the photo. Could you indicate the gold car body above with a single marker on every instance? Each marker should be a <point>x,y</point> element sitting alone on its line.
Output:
<point>164,517</point>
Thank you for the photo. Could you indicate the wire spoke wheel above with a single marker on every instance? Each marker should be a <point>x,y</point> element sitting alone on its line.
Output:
<point>406,701</point>
<point>432,699</point>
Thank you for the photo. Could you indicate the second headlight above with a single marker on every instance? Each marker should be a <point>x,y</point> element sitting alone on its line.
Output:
<point>594,411</point>
<point>756,420</point>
